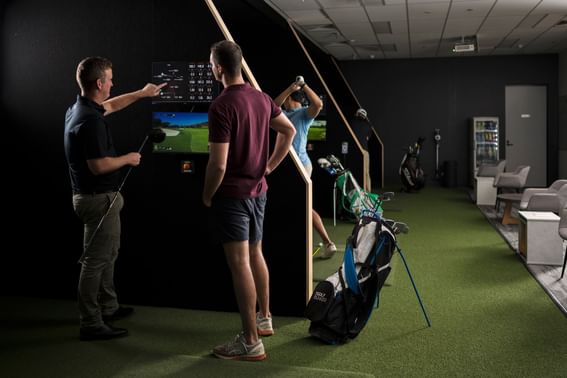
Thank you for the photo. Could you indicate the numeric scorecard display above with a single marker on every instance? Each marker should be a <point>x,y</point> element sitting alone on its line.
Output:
<point>186,82</point>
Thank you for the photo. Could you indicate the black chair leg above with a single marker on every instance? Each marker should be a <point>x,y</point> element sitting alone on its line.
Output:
<point>564,261</point>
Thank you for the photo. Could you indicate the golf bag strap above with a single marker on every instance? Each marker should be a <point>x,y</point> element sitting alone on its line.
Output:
<point>345,294</point>
<point>350,269</point>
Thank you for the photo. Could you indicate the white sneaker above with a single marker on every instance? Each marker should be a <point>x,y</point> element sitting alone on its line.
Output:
<point>264,325</point>
<point>328,251</point>
<point>239,350</point>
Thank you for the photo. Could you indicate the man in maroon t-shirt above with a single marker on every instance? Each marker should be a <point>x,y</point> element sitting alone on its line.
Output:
<point>235,191</point>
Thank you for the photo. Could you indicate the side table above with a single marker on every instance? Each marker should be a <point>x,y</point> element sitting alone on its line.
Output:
<point>539,240</point>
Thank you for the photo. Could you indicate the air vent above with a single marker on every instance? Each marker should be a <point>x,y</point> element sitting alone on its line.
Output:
<point>382,27</point>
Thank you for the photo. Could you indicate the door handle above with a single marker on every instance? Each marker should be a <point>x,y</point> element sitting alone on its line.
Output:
<point>508,143</point>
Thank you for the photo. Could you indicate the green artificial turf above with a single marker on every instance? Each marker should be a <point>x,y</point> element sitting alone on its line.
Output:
<point>490,318</point>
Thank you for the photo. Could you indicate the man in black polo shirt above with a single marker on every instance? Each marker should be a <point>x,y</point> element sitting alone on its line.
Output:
<point>94,167</point>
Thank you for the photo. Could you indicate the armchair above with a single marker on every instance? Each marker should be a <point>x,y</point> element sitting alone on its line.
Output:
<point>563,234</point>
<point>511,180</point>
<point>491,169</point>
<point>545,199</point>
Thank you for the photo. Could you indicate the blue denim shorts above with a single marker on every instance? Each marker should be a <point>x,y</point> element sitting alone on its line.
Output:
<point>238,219</point>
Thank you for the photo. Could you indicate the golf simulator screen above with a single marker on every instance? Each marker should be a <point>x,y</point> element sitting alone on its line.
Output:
<point>318,130</point>
<point>185,132</point>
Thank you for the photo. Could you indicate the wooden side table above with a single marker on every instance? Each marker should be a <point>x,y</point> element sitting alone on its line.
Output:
<point>509,199</point>
<point>539,240</point>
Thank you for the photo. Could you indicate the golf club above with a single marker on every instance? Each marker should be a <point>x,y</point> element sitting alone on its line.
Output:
<point>156,135</point>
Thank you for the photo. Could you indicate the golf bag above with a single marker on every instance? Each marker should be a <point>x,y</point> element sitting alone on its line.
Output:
<point>353,199</point>
<point>342,304</point>
<point>410,170</point>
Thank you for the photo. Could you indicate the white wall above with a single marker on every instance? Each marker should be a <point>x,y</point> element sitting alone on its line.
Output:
<point>563,114</point>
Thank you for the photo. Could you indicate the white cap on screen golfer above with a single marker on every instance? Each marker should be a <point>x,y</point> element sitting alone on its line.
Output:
<point>299,80</point>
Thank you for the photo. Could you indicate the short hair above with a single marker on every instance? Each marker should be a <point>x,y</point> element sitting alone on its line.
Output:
<point>297,96</point>
<point>228,55</point>
<point>90,70</point>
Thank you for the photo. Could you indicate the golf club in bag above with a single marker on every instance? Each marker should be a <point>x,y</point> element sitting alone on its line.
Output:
<point>155,135</point>
<point>353,199</point>
<point>410,170</point>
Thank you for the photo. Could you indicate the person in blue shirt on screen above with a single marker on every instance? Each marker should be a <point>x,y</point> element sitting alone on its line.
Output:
<point>291,100</point>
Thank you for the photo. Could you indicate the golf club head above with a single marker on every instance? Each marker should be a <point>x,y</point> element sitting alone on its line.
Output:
<point>323,163</point>
<point>386,196</point>
<point>335,162</point>
<point>397,227</point>
<point>156,135</point>
<point>400,228</point>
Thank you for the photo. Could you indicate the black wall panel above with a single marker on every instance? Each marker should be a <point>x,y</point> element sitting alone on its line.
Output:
<point>411,98</point>
<point>167,255</point>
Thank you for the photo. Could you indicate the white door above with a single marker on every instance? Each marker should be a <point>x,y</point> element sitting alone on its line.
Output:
<point>526,131</point>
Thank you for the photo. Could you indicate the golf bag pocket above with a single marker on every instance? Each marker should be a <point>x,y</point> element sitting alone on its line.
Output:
<point>340,319</point>
<point>321,300</point>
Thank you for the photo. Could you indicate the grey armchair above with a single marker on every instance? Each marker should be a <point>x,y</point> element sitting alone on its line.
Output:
<point>513,180</point>
<point>491,169</point>
<point>563,234</point>
<point>545,199</point>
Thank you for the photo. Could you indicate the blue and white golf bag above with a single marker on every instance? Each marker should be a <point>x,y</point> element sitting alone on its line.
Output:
<point>341,305</point>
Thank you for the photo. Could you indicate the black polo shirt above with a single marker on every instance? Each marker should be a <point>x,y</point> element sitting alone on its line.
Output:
<point>87,137</point>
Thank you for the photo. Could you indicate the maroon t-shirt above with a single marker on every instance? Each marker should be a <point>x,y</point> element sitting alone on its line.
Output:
<point>241,116</point>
